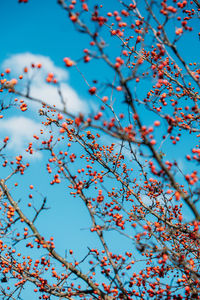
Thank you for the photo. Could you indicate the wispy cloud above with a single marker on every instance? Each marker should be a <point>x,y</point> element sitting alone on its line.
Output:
<point>17,62</point>
<point>20,131</point>
<point>49,94</point>
<point>39,87</point>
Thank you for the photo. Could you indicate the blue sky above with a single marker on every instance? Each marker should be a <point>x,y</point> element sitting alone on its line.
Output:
<point>41,31</point>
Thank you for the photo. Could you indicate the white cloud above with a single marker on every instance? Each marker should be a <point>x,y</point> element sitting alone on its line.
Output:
<point>40,88</point>
<point>17,62</point>
<point>49,94</point>
<point>20,131</point>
